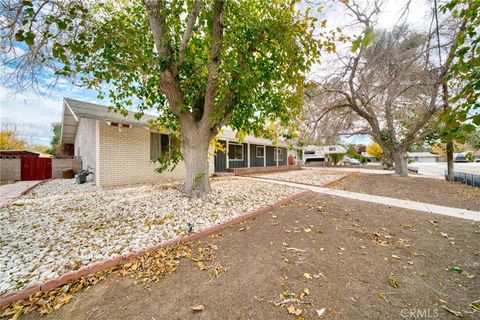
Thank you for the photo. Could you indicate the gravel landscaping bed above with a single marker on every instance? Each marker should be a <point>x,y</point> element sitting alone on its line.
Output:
<point>310,176</point>
<point>60,226</point>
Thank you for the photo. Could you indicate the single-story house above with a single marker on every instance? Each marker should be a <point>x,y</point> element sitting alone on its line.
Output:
<point>423,157</point>
<point>120,149</point>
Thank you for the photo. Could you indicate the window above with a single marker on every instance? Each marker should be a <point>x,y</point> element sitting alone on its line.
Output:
<point>308,152</point>
<point>235,152</point>
<point>278,154</point>
<point>260,152</point>
<point>158,145</point>
<point>331,148</point>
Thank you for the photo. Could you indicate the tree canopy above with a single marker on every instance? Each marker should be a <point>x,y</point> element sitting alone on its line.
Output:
<point>199,64</point>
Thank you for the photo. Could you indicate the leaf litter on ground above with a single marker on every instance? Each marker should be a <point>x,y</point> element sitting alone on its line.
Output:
<point>150,267</point>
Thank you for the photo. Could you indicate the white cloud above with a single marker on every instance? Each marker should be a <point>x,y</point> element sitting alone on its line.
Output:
<point>37,112</point>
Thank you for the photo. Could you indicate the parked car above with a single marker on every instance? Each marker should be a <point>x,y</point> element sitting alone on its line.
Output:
<point>460,158</point>
<point>478,160</point>
<point>351,161</point>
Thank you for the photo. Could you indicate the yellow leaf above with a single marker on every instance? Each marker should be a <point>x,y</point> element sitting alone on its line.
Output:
<point>307,275</point>
<point>306,291</point>
<point>201,265</point>
<point>293,310</point>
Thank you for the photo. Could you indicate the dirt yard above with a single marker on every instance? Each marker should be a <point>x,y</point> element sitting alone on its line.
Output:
<point>60,226</point>
<point>427,190</point>
<point>353,259</point>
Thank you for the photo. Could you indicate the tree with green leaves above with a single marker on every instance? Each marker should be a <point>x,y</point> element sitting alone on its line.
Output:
<point>461,87</point>
<point>336,158</point>
<point>57,131</point>
<point>388,85</point>
<point>201,64</point>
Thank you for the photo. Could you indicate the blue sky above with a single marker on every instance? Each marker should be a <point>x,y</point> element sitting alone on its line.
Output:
<point>37,112</point>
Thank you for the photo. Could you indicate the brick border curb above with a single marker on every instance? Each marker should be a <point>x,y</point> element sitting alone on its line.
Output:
<point>346,176</point>
<point>23,294</point>
<point>8,203</point>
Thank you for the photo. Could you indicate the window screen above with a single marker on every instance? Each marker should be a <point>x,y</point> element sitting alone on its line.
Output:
<point>278,154</point>
<point>158,145</point>
<point>235,152</point>
<point>260,152</point>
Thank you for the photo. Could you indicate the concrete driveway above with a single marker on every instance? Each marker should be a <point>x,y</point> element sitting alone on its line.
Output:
<point>437,169</point>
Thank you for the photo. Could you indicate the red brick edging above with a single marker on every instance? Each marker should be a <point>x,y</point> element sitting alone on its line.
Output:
<point>23,294</point>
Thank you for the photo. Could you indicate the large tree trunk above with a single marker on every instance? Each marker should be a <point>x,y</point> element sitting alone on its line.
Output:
<point>400,162</point>
<point>449,151</point>
<point>194,149</point>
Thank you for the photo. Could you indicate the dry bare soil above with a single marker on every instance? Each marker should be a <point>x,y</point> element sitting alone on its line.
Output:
<point>427,190</point>
<point>357,261</point>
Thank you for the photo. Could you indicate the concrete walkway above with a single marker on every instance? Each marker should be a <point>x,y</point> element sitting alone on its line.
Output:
<point>369,171</point>
<point>406,204</point>
<point>12,191</point>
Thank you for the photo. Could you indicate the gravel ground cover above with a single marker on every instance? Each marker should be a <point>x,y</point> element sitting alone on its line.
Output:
<point>342,258</point>
<point>60,226</point>
<point>317,177</point>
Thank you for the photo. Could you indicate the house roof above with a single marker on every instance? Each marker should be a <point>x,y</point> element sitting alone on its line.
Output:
<point>18,153</point>
<point>73,110</point>
<point>422,154</point>
<point>229,134</point>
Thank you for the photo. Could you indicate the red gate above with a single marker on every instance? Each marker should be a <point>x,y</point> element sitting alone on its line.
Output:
<point>36,168</point>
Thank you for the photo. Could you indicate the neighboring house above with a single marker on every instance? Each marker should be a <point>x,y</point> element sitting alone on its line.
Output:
<point>314,153</point>
<point>120,150</point>
<point>369,157</point>
<point>423,157</point>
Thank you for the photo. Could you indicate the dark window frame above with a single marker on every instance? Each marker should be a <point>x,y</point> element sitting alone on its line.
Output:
<point>235,145</point>
<point>262,148</point>
<point>161,149</point>
<point>278,151</point>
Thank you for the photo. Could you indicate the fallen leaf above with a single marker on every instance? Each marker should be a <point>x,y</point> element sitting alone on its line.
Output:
<point>288,294</point>
<point>307,275</point>
<point>394,282</point>
<point>198,308</point>
<point>293,310</point>
<point>475,305</point>
<point>201,265</point>
<point>320,312</point>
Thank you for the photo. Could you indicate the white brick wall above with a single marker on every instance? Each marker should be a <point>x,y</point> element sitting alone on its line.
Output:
<point>85,143</point>
<point>123,157</point>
